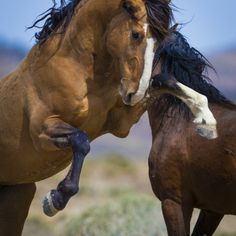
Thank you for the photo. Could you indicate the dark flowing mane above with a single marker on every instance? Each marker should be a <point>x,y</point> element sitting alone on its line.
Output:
<point>56,17</point>
<point>189,67</point>
<point>159,16</point>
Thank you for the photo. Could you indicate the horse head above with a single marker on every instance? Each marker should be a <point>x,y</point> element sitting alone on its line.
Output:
<point>130,39</point>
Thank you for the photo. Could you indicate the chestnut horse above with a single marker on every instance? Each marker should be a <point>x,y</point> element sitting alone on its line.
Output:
<point>86,76</point>
<point>93,59</point>
<point>185,170</point>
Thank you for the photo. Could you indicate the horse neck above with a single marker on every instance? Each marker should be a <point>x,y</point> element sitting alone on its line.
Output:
<point>165,118</point>
<point>83,40</point>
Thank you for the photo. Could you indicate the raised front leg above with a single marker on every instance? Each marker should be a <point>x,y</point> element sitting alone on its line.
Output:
<point>197,103</point>
<point>55,135</point>
<point>57,199</point>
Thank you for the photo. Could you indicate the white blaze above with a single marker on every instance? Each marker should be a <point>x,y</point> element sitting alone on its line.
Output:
<point>147,71</point>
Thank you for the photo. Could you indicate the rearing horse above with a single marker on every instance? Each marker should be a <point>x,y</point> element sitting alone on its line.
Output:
<point>93,59</point>
<point>86,76</point>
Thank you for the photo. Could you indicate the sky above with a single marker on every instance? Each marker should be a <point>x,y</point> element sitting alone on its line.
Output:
<point>209,25</point>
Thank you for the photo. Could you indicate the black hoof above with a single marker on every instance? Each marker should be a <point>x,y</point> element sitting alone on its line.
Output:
<point>48,206</point>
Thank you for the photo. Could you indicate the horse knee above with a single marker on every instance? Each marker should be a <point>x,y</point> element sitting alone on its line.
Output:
<point>53,134</point>
<point>80,142</point>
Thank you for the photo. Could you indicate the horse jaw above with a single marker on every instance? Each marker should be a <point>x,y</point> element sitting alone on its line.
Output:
<point>198,104</point>
<point>147,71</point>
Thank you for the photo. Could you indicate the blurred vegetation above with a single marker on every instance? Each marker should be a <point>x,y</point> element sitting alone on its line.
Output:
<point>225,234</point>
<point>115,199</point>
<point>127,215</point>
<point>38,226</point>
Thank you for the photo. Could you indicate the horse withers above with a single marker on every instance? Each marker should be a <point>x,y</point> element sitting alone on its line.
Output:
<point>187,171</point>
<point>86,76</point>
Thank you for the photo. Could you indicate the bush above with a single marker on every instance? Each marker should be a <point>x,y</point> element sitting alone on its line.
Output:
<point>128,215</point>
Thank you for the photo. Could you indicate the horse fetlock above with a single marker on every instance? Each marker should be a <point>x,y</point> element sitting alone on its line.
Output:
<point>68,188</point>
<point>204,118</point>
<point>203,115</point>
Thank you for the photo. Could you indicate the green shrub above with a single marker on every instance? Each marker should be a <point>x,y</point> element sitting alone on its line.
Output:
<point>127,215</point>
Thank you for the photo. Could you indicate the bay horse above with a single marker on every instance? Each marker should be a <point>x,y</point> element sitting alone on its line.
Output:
<point>185,170</point>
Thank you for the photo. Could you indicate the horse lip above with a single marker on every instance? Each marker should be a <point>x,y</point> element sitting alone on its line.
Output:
<point>134,97</point>
<point>137,98</point>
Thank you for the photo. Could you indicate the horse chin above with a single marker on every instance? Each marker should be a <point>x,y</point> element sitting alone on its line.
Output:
<point>133,100</point>
<point>136,98</point>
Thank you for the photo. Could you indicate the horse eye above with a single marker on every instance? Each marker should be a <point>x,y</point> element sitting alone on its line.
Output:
<point>136,35</point>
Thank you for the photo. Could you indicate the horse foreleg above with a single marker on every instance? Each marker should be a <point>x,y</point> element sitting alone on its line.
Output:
<point>197,103</point>
<point>57,199</point>
<point>177,218</point>
<point>14,206</point>
<point>207,223</point>
<point>55,135</point>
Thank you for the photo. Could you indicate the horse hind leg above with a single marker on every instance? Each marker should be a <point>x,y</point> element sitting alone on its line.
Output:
<point>14,206</point>
<point>207,223</point>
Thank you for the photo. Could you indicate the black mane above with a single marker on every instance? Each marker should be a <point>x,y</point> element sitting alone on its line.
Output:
<point>189,67</point>
<point>159,15</point>
<point>56,17</point>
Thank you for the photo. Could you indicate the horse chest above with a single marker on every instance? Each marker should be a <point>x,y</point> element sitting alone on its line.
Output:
<point>96,115</point>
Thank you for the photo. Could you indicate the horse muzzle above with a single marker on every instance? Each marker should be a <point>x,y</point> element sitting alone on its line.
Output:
<point>131,98</point>
<point>130,95</point>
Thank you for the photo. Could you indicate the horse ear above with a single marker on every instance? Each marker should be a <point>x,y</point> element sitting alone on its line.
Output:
<point>135,8</point>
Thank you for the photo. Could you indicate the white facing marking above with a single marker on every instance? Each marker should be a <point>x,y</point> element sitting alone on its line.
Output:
<point>147,71</point>
<point>145,27</point>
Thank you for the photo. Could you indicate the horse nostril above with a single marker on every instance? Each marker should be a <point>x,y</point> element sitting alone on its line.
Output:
<point>128,98</point>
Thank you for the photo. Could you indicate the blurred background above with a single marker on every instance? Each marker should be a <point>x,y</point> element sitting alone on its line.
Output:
<point>116,170</point>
